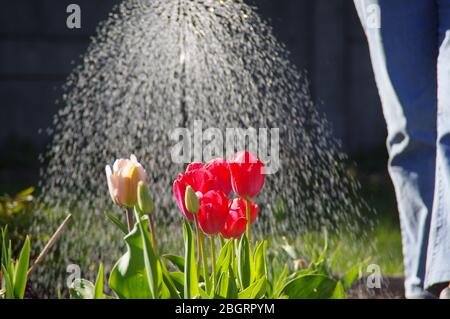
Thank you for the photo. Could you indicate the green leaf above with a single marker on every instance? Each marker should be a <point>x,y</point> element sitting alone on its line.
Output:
<point>82,289</point>
<point>178,261</point>
<point>226,285</point>
<point>339,292</point>
<point>280,282</point>
<point>151,261</point>
<point>254,291</point>
<point>310,287</point>
<point>59,293</point>
<point>177,278</point>
<point>117,223</point>
<point>20,274</point>
<point>25,192</point>
<point>245,263</point>
<point>222,285</point>
<point>351,276</point>
<point>225,257</point>
<point>98,292</point>
<point>128,278</point>
<point>190,266</point>
<point>9,294</point>
<point>11,265</point>
<point>260,260</point>
<point>168,282</point>
<point>6,253</point>
<point>203,294</point>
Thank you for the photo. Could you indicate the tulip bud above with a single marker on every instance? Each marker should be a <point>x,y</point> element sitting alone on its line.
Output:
<point>191,200</point>
<point>145,200</point>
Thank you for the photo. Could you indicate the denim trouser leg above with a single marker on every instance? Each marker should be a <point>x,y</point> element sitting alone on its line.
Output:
<point>438,262</point>
<point>403,56</point>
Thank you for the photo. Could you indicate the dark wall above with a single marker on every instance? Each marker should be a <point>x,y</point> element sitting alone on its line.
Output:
<point>325,38</point>
<point>37,52</point>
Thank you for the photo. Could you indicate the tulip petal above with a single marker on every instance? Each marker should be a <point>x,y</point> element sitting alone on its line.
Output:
<point>111,183</point>
<point>179,190</point>
<point>194,166</point>
<point>221,175</point>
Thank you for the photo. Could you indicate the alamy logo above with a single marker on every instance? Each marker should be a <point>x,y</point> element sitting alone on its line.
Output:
<point>74,274</point>
<point>74,19</point>
<point>374,279</point>
<point>372,14</point>
<point>201,145</point>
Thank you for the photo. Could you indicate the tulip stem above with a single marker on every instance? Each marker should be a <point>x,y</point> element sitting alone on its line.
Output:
<point>202,255</point>
<point>199,244</point>
<point>213,262</point>
<point>152,233</point>
<point>222,241</point>
<point>205,264</point>
<point>129,214</point>
<point>247,208</point>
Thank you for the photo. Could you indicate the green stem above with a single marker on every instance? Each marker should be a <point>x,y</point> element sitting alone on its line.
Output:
<point>205,265</point>
<point>199,244</point>
<point>213,261</point>
<point>234,254</point>
<point>202,255</point>
<point>247,208</point>
<point>129,214</point>
<point>222,241</point>
<point>152,233</point>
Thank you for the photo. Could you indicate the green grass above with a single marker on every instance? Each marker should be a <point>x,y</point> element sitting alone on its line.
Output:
<point>381,246</point>
<point>389,248</point>
<point>377,190</point>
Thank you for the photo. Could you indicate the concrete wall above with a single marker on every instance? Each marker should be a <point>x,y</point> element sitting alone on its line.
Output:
<point>324,36</point>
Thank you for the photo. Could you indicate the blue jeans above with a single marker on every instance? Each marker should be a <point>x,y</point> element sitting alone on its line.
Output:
<point>410,52</point>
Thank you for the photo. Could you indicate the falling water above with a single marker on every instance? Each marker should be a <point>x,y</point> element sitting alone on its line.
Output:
<point>156,65</point>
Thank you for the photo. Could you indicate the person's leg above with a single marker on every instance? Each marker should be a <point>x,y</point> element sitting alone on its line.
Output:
<point>438,263</point>
<point>403,53</point>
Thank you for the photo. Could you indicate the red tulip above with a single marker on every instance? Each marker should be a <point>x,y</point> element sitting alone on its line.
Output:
<point>236,222</point>
<point>213,212</point>
<point>235,225</point>
<point>247,174</point>
<point>238,204</point>
<point>194,166</point>
<point>198,179</point>
<point>221,175</point>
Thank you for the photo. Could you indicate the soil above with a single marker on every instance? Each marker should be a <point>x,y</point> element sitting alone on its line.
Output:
<point>390,288</point>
